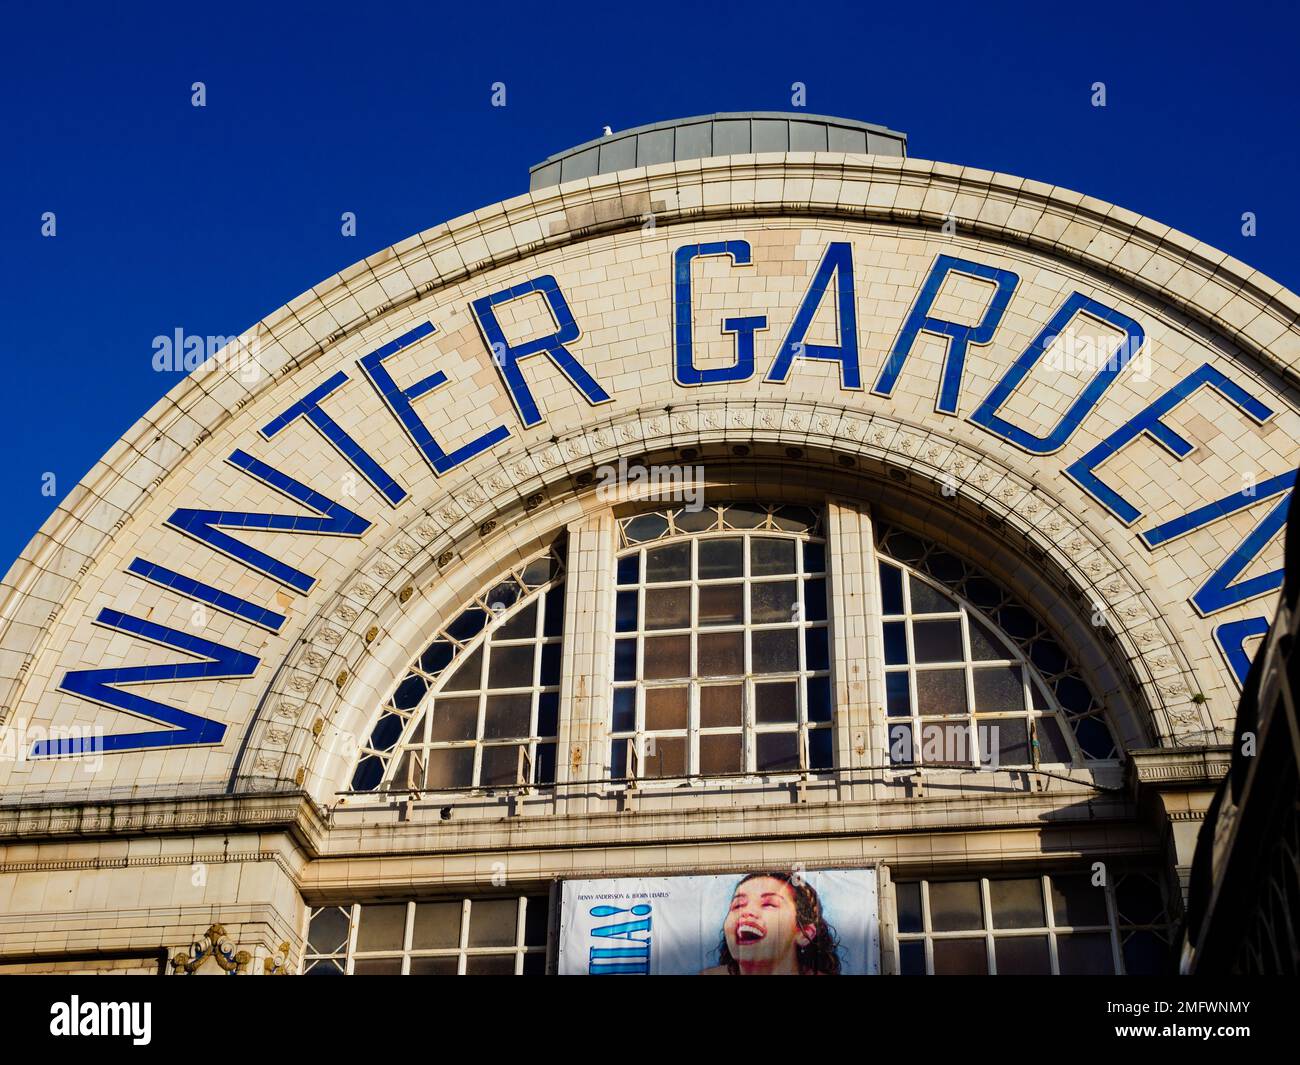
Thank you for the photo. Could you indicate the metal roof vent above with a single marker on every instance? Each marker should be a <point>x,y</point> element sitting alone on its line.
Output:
<point>733,133</point>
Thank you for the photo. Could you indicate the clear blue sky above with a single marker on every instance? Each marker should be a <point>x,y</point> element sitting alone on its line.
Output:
<point>206,219</point>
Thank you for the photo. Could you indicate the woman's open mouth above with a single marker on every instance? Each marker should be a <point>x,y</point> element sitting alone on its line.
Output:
<point>748,932</point>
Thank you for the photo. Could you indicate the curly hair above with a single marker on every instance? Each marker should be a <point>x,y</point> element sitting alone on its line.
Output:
<point>821,956</point>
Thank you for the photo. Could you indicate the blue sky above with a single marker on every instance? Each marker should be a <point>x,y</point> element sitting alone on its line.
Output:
<point>206,219</point>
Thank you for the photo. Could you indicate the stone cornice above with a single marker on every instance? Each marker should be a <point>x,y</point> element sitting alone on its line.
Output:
<point>291,812</point>
<point>1180,767</point>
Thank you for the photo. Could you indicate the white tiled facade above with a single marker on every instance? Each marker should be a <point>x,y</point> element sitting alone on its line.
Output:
<point>122,856</point>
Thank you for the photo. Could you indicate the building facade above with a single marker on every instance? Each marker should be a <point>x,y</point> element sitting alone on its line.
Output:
<point>745,497</point>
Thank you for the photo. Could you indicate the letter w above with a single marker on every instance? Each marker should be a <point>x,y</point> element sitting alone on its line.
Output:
<point>102,686</point>
<point>206,525</point>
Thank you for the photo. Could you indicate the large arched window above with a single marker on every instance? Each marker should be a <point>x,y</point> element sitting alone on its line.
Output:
<point>480,707</point>
<point>721,650</point>
<point>722,665</point>
<point>971,674</point>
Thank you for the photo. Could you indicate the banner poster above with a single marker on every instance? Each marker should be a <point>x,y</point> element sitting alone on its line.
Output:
<point>764,923</point>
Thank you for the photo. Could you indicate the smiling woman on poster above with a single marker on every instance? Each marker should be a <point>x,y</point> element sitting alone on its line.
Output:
<point>775,927</point>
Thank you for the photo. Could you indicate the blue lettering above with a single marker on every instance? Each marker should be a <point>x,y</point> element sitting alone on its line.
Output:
<point>837,261</point>
<point>507,357</point>
<point>1149,422</point>
<point>399,400</point>
<point>102,686</point>
<point>309,407</point>
<point>959,336</point>
<point>1218,593</point>
<point>986,416</point>
<point>1231,637</point>
<point>684,369</point>
<point>334,520</point>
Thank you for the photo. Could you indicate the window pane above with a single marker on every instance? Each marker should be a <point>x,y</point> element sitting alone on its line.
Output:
<point>814,600</point>
<point>960,957</point>
<point>467,676</point>
<point>329,932</point>
<point>998,689</point>
<point>941,691</point>
<point>819,698</point>
<point>909,907</point>
<point>772,602</point>
<point>667,708</point>
<point>1010,737</point>
<point>625,659</point>
<point>544,764</point>
<point>437,924</point>
<point>410,692</point>
<point>776,703</point>
<point>937,641</point>
<point>911,958</point>
<point>667,656</point>
<point>490,965</point>
<point>629,568</point>
<point>433,966</point>
<point>382,927</point>
<point>450,768</point>
<point>776,651</point>
<point>665,756</point>
<point>898,698</point>
<point>769,555</point>
<point>900,745</point>
<point>437,657</point>
<point>1077,903</point>
<point>745,516</point>
<point>500,766</point>
<point>926,599</point>
<point>722,654</point>
<point>895,643</point>
<point>645,527</point>
<point>625,612</point>
<point>955,905</point>
<point>1051,741</point>
<point>720,706</point>
<point>535,919</point>
<point>814,557</point>
<point>821,749</point>
<point>1017,903</point>
<point>891,589</point>
<point>454,719</point>
<point>493,922</point>
<point>507,717</point>
<point>624,709</point>
<point>721,558</point>
<point>776,752</point>
<point>1022,956</point>
<point>816,648</point>
<point>668,608</point>
<point>1139,900</point>
<point>722,604</point>
<point>1085,955</point>
<point>947,741</point>
<point>984,645</point>
<point>524,623</point>
<point>721,754</point>
<point>672,562</point>
<point>377,967</point>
